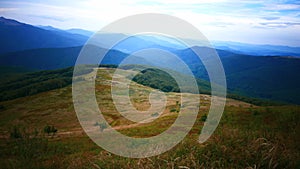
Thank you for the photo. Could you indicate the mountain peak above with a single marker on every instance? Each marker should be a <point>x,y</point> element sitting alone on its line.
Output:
<point>10,22</point>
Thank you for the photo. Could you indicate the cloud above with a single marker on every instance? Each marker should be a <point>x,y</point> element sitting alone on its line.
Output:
<point>57,18</point>
<point>282,7</point>
<point>279,24</point>
<point>8,9</point>
<point>221,24</point>
<point>270,18</point>
<point>186,2</point>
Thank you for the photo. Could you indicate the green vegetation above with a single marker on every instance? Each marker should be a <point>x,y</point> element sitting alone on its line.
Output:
<point>6,71</point>
<point>32,83</point>
<point>203,118</point>
<point>255,101</point>
<point>247,136</point>
<point>159,79</point>
<point>270,78</point>
<point>26,84</point>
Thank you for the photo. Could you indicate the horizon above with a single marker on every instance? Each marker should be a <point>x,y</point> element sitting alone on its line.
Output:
<point>252,22</point>
<point>211,41</point>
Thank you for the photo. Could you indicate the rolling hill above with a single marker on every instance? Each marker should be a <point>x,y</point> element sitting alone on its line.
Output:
<point>247,135</point>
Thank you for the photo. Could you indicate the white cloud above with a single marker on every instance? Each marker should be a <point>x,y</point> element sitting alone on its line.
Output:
<point>7,9</point>
<point>280,7</point>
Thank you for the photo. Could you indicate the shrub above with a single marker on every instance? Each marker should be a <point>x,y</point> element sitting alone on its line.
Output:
<point>50,129</point>
<point>15,132</point>
<point>203,118</point>
<point>154,114</point>
<point>102,125</point>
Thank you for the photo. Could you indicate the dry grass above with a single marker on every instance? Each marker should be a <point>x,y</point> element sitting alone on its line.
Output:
<point>247,136</point>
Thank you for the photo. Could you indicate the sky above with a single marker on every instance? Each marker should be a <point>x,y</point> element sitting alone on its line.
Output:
<point>249,21</point>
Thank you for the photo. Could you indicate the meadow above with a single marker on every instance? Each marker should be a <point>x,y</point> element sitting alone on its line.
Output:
<point>248,136</point>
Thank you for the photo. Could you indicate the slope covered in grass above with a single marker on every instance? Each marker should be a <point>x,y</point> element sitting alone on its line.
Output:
<point>247,136</point>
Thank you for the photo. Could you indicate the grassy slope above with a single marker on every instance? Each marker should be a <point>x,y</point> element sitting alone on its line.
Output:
<point>248,136</point>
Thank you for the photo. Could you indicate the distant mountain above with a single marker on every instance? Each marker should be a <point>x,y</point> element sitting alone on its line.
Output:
<point>50,28</point>
<point>80,32</point>
<point>268,77</point>
<point>258,50</point>
<point>71,31</point>
<point>41,59</point>
<point>130,44</point>
<point>55,58</point>
<point>16,36</point>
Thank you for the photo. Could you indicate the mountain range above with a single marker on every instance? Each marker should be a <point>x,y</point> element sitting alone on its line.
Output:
<point>258,50</point>
<point>16,36</point>
<point>260,71</point>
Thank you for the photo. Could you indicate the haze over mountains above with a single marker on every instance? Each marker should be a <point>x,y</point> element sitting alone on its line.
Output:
<point>32,37</point>
<point>273,75</point>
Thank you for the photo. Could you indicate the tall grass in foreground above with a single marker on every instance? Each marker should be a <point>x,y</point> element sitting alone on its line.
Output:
<point>261,137</point>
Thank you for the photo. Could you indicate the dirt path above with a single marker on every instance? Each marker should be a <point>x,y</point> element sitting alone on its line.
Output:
<point>80,131</point>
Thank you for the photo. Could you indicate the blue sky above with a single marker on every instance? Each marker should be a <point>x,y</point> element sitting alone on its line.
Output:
<point>250,21</point>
